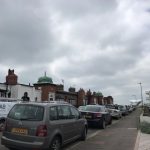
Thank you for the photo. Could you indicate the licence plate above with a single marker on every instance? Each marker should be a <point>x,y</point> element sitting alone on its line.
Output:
<point>19,131</point>
<point>88,117</point>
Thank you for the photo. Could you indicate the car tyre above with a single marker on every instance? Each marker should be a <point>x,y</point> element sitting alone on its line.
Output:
<point>103,124</point>
<point>55,144</point>
<point>84,134</point>
<point>110,122</point>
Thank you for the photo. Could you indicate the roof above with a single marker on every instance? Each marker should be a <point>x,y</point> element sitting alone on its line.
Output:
<point>46,103</point>
<point>45,79</point>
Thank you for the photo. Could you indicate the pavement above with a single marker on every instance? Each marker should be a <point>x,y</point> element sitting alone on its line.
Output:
<point>143,140</point>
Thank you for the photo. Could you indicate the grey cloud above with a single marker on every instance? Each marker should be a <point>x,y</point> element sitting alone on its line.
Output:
<point>73,9</point>
<point>24,33</point>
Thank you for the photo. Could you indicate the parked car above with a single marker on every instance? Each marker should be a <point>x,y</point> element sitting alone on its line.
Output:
<point>115,113</point>
<point>123,110</point>
<point>5,105</point>
<point>97,114</point>
<point>48,125</point>
<point>81,108</point>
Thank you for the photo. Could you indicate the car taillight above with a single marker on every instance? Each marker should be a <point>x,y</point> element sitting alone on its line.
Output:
<point>98,115</point>
<point>41,131</point>
<point>3,126</point>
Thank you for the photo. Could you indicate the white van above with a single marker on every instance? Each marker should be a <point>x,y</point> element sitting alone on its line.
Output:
<point>5,105</point>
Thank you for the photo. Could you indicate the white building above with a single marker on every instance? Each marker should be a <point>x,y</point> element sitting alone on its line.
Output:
<point>12,89</point>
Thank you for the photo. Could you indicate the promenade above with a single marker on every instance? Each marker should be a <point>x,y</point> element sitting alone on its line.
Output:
<point>143,140</point>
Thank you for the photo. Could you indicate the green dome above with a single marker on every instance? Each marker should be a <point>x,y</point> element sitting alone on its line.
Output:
<point>99,94</point>
<point>45,79</point>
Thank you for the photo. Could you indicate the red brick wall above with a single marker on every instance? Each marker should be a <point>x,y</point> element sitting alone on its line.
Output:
<point>81,97</point>
<point>46,88</point>
<point>11,78</point>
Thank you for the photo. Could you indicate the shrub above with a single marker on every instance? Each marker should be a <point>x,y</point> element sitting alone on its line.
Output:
<point>145,127</point>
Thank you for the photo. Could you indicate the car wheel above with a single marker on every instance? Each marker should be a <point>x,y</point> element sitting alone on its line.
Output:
<point>103,124</point>
<point>56,144</point>
<point>110,122</point>
<point>117,117</point>
<point>84,134</point>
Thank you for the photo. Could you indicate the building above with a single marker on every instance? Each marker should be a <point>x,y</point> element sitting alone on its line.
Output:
<point>51,91</point>
<point>94,97</point>
<point>46,90</point>
<point>12,89</point>
<point>108,100</point>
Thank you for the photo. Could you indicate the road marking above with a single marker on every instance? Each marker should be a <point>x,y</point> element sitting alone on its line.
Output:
<point>94,134</point>
<point>132,128</point>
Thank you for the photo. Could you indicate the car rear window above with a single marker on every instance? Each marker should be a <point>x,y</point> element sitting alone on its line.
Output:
<point>82,108</point>
<point>27,112</point>
<point>93,108</point>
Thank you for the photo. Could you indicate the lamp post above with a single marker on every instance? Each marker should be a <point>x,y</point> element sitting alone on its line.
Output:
<point>141,93</point>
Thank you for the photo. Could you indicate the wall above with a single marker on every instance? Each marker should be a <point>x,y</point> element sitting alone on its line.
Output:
<point>17,91</point>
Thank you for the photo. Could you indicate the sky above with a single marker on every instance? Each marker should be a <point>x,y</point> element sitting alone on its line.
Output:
<point>101,45</point>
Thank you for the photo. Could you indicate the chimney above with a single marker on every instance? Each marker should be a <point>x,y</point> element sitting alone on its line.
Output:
<point>11,78</point>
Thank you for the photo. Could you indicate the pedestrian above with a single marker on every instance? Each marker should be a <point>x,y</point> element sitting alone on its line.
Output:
<point>25,97</point>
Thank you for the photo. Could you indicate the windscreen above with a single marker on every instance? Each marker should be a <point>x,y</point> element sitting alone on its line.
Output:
<point>26,112</point>
<point>93,108</point>
<point>82,108</point>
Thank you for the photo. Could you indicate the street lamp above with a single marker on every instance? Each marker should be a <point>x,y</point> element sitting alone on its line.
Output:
<point>141,93</point>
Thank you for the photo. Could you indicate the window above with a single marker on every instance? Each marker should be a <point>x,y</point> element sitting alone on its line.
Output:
<point>74,113</point>
<point>93,108</point>
<point>64,112</point>
<point>53,113</point>
<point>103,109</point>
<point>27,112</point>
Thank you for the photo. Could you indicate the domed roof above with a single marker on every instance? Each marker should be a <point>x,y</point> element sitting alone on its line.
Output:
<point>45,79</point>
<point>99,94</point>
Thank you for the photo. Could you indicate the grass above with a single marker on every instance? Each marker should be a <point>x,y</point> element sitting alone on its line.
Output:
<point>145,127</point>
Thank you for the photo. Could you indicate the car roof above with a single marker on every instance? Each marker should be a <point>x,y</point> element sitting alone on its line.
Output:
<point>4,99</point>
<point>96,105</point>
<point>45,103</point>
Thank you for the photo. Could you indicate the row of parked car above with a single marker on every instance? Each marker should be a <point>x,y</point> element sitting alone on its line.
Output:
<point>50,125</point>
<point>102,115</point>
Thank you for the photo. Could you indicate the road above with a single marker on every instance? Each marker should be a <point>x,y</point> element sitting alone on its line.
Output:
<point>121,135</point>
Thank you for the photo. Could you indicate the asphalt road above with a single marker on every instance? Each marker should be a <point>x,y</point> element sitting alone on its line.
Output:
<point>121,135</point>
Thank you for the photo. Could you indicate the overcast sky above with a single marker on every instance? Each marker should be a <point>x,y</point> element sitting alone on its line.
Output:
<point>102,45</point>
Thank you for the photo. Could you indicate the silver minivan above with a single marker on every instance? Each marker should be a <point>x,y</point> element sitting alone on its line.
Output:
<point>47,125</point>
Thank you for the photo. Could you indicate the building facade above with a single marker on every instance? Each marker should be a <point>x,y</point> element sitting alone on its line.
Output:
<point>46,90</point>
<point>12,89</point>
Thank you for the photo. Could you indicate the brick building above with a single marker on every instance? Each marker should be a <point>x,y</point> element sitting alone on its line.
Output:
<point>108,100</point>
<point>94,98</point>
<point>46,90</point>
